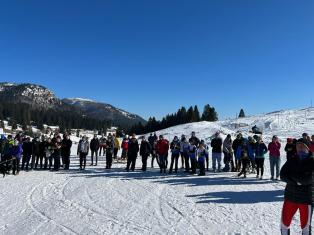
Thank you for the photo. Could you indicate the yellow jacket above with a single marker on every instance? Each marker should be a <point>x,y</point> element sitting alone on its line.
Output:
<point>116,143</point>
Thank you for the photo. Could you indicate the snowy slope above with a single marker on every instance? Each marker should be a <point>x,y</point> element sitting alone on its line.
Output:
<point>99,201</point>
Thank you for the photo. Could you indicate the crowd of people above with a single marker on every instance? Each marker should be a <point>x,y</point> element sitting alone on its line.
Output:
<point>241,155</point>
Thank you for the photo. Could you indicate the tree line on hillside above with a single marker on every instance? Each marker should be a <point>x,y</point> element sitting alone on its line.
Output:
<point>26,115</point>
<point>182,116</point>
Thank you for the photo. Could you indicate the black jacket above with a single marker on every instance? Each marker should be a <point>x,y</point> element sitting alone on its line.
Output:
<point>236,143</point>
<point>27,148</point>
<point>66,147</point>
<point>195,141</point>
<point>299,178</point>
<point>145,148</point>
<point>217,145</point>
<point>291,150</point>
<point>94,144</point>
<point>133,148</point>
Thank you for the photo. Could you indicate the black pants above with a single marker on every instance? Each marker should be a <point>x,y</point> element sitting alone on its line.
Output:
<point>94,152</point>
<point>144,161</point>
<point>56,165</point>
<point>245,162</point>
<point>16,165</point>
<point>83,161</point>
<point>174,160</point>
<point>50,161</point>
<point>131,162</point>
<point>66,161</point>
<point>228,161</point>
<point>193,165</point>
<point>201,165</point>
<point>108,159</point>
<point>187,162</point>
<point>25,161</point>
<point>39,159</point>
<point>260,165</point>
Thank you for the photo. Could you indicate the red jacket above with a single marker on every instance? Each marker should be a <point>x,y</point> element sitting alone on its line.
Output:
<point>162,147</point>
<point>274,149</point>
<point>312,147</point>
<point>125,144</point>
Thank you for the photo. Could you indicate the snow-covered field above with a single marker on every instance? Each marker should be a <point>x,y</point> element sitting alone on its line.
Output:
<point>99,201</point>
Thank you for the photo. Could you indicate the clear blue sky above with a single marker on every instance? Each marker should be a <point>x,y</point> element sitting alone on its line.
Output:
<point>151,57</point>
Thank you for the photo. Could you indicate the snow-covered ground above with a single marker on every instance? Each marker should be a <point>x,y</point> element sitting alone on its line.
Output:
<point>99,201</point>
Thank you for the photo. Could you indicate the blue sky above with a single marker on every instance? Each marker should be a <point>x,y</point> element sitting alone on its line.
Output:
<point>151,57</point>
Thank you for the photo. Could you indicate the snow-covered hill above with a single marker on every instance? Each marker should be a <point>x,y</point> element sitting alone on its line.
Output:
<point>289,123</point>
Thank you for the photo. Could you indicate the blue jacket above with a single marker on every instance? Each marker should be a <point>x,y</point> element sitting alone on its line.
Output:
<point>17,151</point>
<point>202,155</point>
<point>249,150</point>
<point>192,151</point>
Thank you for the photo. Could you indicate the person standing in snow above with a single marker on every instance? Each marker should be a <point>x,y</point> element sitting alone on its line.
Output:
<point>125,147</point>
<point>184,149</point>
<point>202,154</point>
<point>290,148</point>
<point>244,153</point>
<point>274,157</point>
<point>175,153</point>
<point>235,145</point>
<point>192,156</point>
<point>109,151</point>
<point>195,141</point>
<point>16,154</point>
<point>298,174</point>
<point>82,151</point>
<point>162,149</point>
<point>182,152</point>
<point>116,147</point>
<point>152,139</point>
<point>228,154</point>
<point>216,145</point>
<point>94,147</point>
<point>36,152</point>
<point>102,145</point>
<point>133,150</point>
<point>66,145</point>
<point>260,151</point>
<point>27,153</point>
<point>145,150</point>
<point>57,153</point>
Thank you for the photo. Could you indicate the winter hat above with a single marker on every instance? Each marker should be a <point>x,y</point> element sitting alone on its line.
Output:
<point>290,140</point>
<point>303,142</point>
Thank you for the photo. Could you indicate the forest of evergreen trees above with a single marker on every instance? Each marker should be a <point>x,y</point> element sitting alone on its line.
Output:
<point>25,115</point>
<point>182,116</point>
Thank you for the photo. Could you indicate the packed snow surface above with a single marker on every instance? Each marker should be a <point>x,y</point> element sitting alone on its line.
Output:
<point>99,201</point>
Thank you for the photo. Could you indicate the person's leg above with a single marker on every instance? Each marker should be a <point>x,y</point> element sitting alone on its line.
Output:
<point>219,156</point>
<point>187,162</point>
<point>145,162</point>
<point>214,159</point>
<point>182,159</point>
<point>128,163</point>
<point>257,161</point>
<point>92,157</point>
<point>278,167</point>
<point>272,165</point>
<point>262,166</point>
<point>171,164</point>
<point>305,218</point>
<point>81,161</point>
<point>133,162</point>
<point>96,157</point>
<point>176,163</point>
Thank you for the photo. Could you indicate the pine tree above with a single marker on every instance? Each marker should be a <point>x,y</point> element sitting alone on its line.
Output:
<point>197,117</point>
<point>190,115</point>
<point>241,114</point>
<point>209,114</point>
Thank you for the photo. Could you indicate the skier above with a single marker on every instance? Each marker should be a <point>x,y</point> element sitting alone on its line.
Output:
<point>184,149</point>
<point>260,151</point>
<point>27,153</point>
<point>82,151</point>
<point>228,154</point>
<point>244,154</point>
<point>109,151</point>
<point>236,143</point>
<point>66,151</point>
<point>94,147</point>
<point>133,150</point>
<point>175,153</point>
<point>162,152</point>
<point>274,157</point>
<point>216,144</point>
<point>145,150</point>
<point>290,148</point>
<point>297,173</point>
<point>202,154</point>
